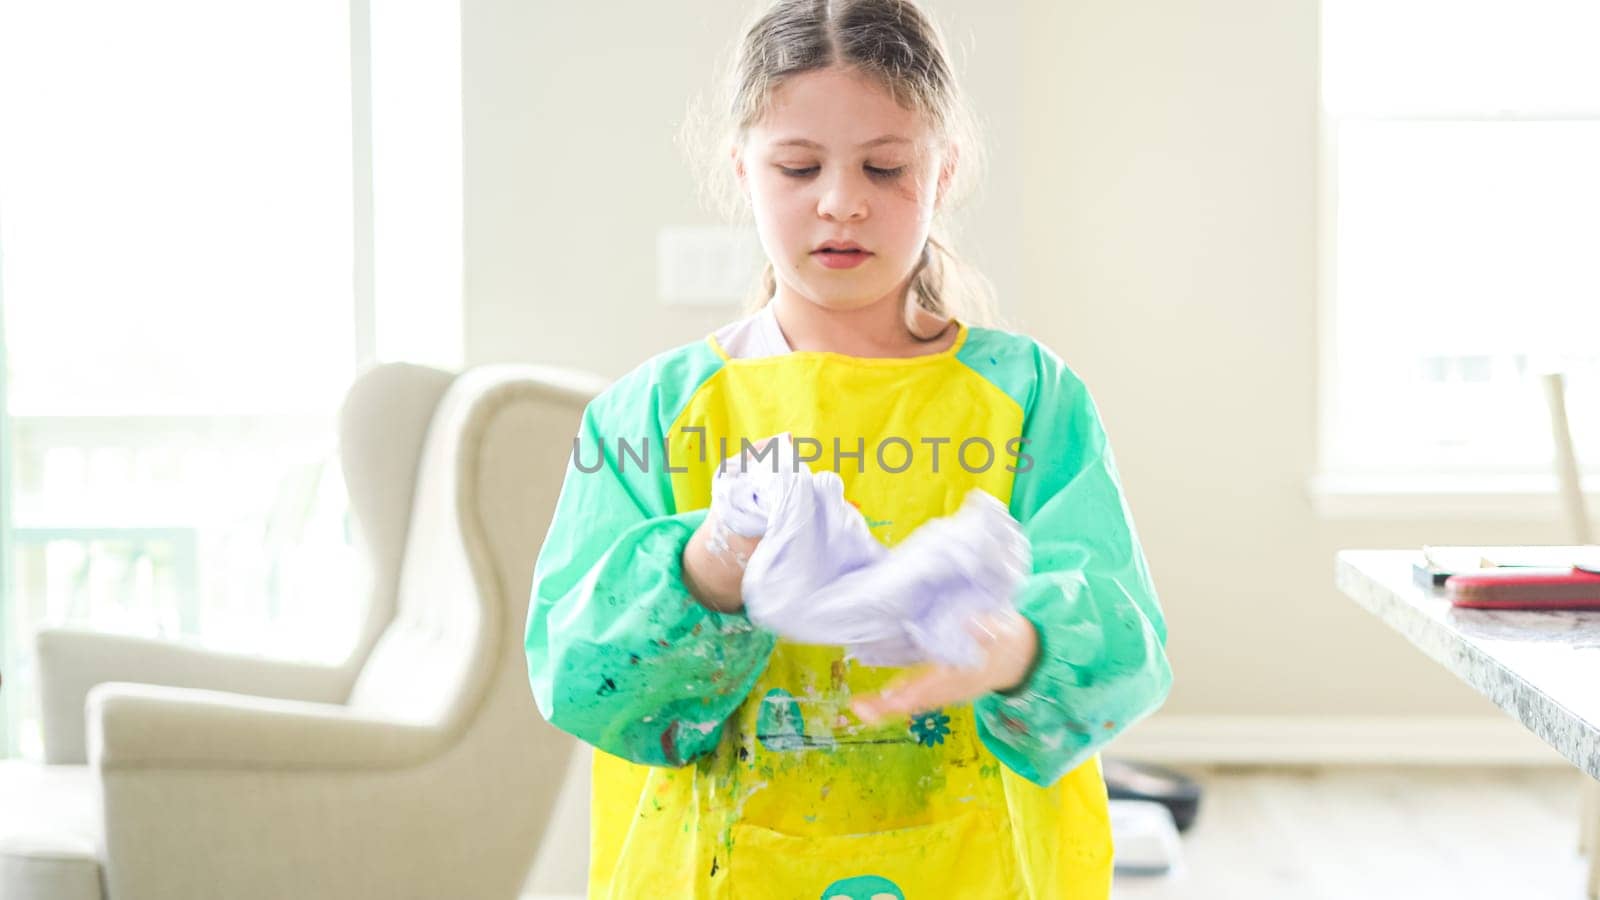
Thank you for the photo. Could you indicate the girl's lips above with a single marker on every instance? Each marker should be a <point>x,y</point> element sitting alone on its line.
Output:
<point>835,259</point>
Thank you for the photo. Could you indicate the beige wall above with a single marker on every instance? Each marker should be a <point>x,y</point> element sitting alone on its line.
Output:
<point>1150,214</point>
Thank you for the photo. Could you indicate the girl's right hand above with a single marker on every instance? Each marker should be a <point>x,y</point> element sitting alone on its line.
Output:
<point>715,559</point>
<point>714,564</point>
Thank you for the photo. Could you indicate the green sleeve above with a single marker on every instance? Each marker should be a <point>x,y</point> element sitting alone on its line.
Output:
<point>619,653</point>
<point>1102,661</point>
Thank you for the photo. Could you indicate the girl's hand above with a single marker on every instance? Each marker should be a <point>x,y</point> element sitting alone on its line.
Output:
<point>716,556</point>
<point>1010,646</point>
<point>714,563</point>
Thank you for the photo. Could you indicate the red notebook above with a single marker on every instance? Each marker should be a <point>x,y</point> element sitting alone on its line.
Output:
<point>1529,588</point>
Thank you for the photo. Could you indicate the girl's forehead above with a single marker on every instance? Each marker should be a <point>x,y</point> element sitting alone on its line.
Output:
<point>837,110</point>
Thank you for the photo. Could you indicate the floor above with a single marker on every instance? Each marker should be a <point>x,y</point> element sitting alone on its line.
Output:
<point>1347,833</point>
<point>1376,834</point>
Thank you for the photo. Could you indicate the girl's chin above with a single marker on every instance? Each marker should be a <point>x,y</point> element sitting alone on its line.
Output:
<point>838,291</point>
<point>837,303</point>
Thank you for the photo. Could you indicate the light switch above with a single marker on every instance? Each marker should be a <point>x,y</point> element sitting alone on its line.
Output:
<point>706,264</point>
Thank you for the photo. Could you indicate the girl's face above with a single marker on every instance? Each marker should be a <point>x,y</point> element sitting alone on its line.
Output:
<point>837,161</point>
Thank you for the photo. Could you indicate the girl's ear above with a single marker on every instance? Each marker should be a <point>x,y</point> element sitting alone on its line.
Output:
<point>738,166</point>
<point>947,171</point>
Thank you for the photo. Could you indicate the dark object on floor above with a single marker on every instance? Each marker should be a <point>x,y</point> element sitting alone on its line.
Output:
<point>1137,781</point>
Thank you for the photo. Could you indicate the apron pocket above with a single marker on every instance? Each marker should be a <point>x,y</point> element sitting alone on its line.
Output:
<point>956,858</point>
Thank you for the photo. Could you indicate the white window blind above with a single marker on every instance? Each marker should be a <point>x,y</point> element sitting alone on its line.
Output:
<point>1461,157</point>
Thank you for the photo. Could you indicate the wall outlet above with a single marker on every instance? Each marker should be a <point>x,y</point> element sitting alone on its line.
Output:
<point>706,264</point>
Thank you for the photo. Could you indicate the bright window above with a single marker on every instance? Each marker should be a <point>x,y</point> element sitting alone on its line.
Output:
<point>176,221</point>
<point>1463,242</point>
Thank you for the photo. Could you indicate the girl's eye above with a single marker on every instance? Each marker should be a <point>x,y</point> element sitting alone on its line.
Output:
<point>874,171</point>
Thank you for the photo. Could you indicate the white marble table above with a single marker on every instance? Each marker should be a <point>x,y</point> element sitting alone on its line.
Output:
<point>1542,667</point>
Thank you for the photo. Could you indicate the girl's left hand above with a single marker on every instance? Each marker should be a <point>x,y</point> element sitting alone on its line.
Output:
<point>1009,644</point>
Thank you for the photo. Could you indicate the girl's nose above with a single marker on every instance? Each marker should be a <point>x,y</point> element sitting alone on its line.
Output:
<point>842,200</point>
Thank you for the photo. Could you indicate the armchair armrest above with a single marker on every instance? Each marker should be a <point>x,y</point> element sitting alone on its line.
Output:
<point>135,726</point>
<point>72,661</point>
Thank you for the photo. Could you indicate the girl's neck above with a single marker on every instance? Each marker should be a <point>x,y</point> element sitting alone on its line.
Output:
<point>876,330</point>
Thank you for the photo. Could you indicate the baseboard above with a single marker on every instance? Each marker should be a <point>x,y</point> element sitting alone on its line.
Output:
<point>1309,740</point>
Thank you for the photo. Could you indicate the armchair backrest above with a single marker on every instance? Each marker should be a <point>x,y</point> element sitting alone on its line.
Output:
<point>382,425</point>
<point>487,480</point>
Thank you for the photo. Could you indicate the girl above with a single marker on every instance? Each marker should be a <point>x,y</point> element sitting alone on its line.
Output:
<point>732,763</point>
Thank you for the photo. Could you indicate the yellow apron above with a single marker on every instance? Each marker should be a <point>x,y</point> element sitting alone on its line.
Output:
<point>799,800</point>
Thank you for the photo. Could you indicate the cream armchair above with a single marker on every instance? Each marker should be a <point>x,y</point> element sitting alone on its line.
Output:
<point>419,768</point>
